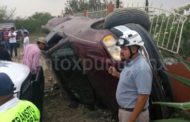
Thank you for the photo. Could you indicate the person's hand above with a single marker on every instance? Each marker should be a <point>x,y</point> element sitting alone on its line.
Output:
<point>130,119</point>
<point>112,70</point>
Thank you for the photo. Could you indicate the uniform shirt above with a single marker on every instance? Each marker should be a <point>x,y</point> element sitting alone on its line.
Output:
<point>31,57</point>
<point>12,39</point>
<point>135,79</point>
<point>16,110</point>
<point>9,104</point>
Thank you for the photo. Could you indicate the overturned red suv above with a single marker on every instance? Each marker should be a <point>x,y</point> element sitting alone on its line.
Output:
<point>81,50</point>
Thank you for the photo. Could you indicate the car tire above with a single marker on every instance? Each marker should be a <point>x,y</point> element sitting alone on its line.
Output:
<point>161,88</point>
<point>124,16</point>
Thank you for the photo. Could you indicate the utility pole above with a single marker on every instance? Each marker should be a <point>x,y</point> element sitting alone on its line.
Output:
<point>146,5</point>
<point>117,3</point>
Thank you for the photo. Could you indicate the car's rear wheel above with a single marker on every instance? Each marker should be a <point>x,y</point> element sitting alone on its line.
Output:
<point>124,16</point>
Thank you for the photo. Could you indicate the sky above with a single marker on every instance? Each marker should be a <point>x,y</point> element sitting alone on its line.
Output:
<point>25,8</point>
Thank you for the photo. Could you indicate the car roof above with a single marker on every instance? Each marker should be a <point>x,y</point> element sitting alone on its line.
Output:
<point>17,72</point>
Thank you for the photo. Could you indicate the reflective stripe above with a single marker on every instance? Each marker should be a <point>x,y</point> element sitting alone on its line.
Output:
<point>11,103</point>
<point>24,111</point>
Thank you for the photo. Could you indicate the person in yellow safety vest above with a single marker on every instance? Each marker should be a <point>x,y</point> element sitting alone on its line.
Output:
<point>11,108</point>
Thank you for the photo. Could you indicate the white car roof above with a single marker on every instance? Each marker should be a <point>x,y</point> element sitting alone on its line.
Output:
<point>17,72</point>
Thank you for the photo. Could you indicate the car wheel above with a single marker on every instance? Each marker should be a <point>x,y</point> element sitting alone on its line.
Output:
<point>124,16</point>
<point>161,88</point>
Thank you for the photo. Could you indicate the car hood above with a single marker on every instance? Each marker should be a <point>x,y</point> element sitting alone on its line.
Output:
<point>17,72</point>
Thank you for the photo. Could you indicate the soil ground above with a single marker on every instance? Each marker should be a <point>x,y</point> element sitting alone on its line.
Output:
<point>56,107</point>
<point>56,103</point>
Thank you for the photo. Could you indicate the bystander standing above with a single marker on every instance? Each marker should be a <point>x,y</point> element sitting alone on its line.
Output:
<point>13,41</point>
<point>32,53</point>
<point>26,40</point>
<point>135,80</point>
<point>6,39</point>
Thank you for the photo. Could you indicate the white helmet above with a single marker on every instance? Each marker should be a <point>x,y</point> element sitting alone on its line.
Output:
<point>129,37</point>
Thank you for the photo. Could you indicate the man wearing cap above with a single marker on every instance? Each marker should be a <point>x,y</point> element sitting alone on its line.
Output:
<point>32,53</point>
<point>135,80</point>
<point>11,108</point>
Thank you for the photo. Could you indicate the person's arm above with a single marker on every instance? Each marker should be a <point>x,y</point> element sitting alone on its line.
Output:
<point>12,34</point>
<point>9,34</point>
<point>139,106</point>
<point>24,42</point>
<point>35,62</point>
<point>143,81</point>
<point>112,70</point>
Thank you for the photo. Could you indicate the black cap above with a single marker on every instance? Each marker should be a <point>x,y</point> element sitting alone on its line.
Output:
<point>6,85</point>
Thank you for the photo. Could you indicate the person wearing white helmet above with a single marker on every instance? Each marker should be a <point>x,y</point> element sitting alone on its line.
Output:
<point>135,80</point>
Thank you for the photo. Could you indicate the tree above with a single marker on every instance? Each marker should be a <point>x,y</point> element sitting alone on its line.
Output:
<point>34,22</point>
<point>185,50</point>
<point>77,6</point>
<point>6,15</point>
<point>73,6</point>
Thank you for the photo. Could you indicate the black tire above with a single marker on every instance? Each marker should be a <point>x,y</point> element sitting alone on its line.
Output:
<point>125,16</point>
<point>161,88</point>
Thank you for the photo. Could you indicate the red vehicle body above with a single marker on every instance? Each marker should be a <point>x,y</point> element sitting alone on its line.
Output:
<point>180,90</point>
<point>80,55</point>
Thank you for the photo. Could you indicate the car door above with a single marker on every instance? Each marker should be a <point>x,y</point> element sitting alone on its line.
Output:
<point>32,89</point>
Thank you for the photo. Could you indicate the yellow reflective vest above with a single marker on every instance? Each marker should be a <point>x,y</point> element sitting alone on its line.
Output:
<point>23,111</point>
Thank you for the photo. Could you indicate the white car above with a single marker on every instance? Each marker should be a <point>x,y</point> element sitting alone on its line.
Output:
<point>27,87</point>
